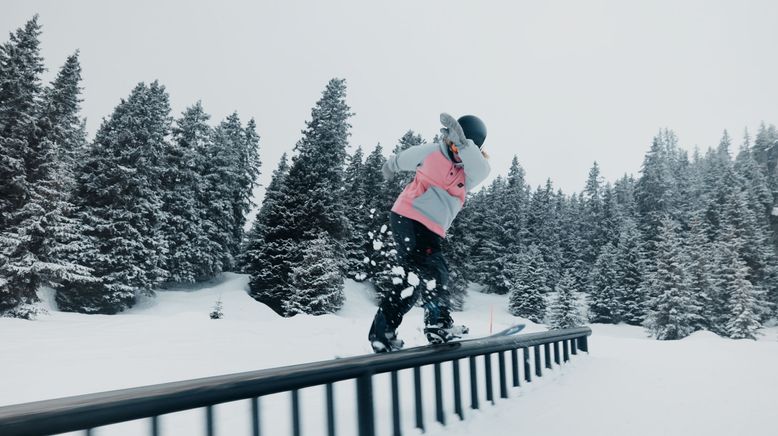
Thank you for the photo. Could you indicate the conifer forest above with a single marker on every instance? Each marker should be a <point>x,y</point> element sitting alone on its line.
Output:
<point>155,198</point>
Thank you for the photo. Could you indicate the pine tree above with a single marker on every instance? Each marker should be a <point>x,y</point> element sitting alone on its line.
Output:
<point>572,245</point>
<point>654,188</point>
<point>738,304</point>
<point>624,191</point>
<point>192,255</point>
<point>543,229</point>
<point>20,86</point>
<point>673,311</point>
<point>252,258</point>
<point>310,203</point>
<point>353,199</point>
<point>59,121</point>
<point>32,239</point>
<point>529,285</point>
<point>511,208</point>
<point>603,302</point>
<point>231,168</point>
<point>564,312</point>
<point>492,252</point>
<point>593,214</point>
<point>699,252</point>
<point>630,292</point>
<point>119,206</point>
<point>316,280</point>
<point>250,165</point>
<point>744,312</point>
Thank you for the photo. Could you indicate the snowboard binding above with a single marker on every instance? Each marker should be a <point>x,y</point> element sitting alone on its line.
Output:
<point>441,335</point>
<point>390,343</point>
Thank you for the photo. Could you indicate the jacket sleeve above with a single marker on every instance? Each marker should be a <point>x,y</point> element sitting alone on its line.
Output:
<point>410,158</point>
<point>476,166</point>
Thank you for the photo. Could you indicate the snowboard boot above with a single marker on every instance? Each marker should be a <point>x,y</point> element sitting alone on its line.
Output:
<point>390,342</point>
<point>438,334</point>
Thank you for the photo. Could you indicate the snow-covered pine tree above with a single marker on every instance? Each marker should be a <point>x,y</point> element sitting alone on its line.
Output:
<point>20,86</point>
<point>192,255</point>
<point>119,206</point>
<point>699,252</point>
<point>353,198</point>
<point>592,216</point>
<point>760,198</point>
<point>743,322</point>
<point>569,211</point>
<point>59,121</point>
<point>738,303</point>
<point>654,189</point>
<point>230,172</point>
<point>217,312</point>
<point>510,209</point>
<point>729,208</point>
<point>310,202</point>
<point>624,191</point>
<point>611,216</point>
<point>500,228</point>
<point>630,292</point>
<point>33,240</point>
<point>529,286</point>
<point>266,255</point>
<point>760,251</point>
<point>254,262</point>
<point>564,312</point>
<point>543,229</point>
<point>603,302</point>
<point>673,311</point>
<point>490,255</point>
<point>316,280</point>
<point>766,154</point>
<point>250,166</point>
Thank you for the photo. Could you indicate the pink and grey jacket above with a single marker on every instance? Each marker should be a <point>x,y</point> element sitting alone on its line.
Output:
<point>437,193</point>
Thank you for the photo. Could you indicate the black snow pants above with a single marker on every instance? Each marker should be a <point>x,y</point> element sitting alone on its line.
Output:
<point>421,271</point>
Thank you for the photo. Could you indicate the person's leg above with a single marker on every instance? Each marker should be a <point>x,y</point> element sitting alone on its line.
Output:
<point>400,298</point>
<point>434,287</point>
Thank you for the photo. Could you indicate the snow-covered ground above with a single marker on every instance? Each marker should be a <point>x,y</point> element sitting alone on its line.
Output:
<point>627,385</point>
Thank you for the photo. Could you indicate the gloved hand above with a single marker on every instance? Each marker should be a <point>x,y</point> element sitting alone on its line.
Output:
<point>452,131</point>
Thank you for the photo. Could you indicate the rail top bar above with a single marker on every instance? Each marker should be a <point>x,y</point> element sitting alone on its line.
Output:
<point>104,408</point>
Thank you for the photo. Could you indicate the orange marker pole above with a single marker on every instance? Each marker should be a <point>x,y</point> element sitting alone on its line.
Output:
<point>491,318</point>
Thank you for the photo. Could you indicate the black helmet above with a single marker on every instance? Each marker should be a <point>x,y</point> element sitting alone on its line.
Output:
<point>474,128</point>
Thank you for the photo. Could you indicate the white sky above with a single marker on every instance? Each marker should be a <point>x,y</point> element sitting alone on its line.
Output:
<point>559,83</point>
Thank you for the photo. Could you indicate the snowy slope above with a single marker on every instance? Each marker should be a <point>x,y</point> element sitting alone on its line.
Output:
<point>628,385</point>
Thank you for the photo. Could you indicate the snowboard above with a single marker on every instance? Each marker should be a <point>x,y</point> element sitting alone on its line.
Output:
<point>512,330</point>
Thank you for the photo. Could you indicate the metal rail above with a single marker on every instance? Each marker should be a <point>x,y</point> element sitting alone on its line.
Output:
<point>86,412</point>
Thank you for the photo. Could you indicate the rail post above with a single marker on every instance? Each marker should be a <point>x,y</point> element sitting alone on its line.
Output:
<point>365,418</point>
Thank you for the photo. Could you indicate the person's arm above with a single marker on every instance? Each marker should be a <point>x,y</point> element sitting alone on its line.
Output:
<point>475,164</point>
<point>408,159</point>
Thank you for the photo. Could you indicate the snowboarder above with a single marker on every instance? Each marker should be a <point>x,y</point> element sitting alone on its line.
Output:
<point>445,171</point>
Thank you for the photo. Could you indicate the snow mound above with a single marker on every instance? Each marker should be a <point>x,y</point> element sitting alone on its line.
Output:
<point>702,336</point>
<point>198,300</point>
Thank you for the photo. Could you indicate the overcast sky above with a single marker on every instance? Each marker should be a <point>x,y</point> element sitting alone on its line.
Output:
<point>559,83</point>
